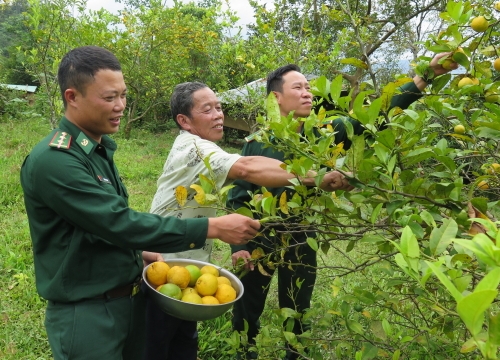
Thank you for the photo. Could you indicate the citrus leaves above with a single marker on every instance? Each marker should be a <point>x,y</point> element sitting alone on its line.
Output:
<point>206,192</point>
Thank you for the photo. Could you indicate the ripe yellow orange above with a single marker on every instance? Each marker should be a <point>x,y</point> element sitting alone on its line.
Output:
<point>206,284</point>
<point>479,24</point>
<point>494,168</point>
<point>192,298</point>
<point>475,81</point>
<point>497,6</point>
<point>223,280</point>
<point>496,64</point>
<point>188,290</point>
<point>465,81</point>
<point>157,273</point>
<point>209,269</point>
<point>179,276</point>
<point>209,300</point>
<point>483,185</point>
<point>225,293</point>
<point>459,129</point>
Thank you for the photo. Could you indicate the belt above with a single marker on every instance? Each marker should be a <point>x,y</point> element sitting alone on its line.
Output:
<point>121,291</point>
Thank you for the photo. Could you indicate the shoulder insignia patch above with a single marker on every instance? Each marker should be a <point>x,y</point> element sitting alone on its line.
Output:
<point>61,140</point>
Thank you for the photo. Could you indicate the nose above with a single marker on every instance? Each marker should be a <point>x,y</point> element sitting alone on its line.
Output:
<point>120,104</point>
<point>218,114</point>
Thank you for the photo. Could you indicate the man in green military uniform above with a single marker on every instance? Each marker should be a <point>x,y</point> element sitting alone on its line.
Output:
<point>87,242</point>
<point>293,94</point>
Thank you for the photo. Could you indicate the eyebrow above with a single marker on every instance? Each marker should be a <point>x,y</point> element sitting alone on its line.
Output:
<point>113,92</point>
<point>209,103</point>
<point>300,83</point>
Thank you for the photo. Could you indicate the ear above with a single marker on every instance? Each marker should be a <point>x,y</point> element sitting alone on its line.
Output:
<point>70,96</point>
<point>278,96</point>
<point>184,122</point>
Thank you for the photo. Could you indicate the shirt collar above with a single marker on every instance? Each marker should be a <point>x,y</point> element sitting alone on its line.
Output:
<point>86,143</point>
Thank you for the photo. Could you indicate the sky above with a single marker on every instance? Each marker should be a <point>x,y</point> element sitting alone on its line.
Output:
<point>241,7</point>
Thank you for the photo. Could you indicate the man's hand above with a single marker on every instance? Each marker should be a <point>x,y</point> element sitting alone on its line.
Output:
<point>233,229</point>
<point>335,180</point>
<point>150,257</point>
<point>438,68</point>
<point>245,255</point>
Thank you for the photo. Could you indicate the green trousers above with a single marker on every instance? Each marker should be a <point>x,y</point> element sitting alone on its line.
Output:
<point>97,329</point>
<point>256,286</point>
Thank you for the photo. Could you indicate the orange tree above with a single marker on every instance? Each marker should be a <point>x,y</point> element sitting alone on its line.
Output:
<point>417,243</point>
<point>162,47</point>
<point>157,46</point>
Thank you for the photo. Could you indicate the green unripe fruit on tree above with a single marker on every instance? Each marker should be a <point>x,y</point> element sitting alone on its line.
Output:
<point>497,6</point>
<point>479,24</point>
<point>465,81</point>
<point>491,97</point>
<point>358,308</point>
<point>447,64</point>
<point>459,129</point>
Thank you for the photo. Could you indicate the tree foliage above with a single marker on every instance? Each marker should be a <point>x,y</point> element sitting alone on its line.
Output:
<point>418,235</point>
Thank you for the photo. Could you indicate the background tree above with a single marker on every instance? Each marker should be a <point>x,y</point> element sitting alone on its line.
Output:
<point>13,33</point>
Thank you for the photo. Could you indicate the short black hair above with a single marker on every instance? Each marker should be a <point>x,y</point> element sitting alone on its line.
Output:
<point>79,66</point>
<point>275,78</point>
<point>181,101</point>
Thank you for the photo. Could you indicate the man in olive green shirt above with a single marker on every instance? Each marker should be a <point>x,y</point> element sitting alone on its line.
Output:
<point>86,239</point>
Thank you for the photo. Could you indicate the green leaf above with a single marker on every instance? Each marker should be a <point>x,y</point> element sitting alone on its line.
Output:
<point>387,327</point>
<point>472,307</point>
<point>445,281</point>
<point>206,184</point>
<point>396,355</point>
<point>323,86</point>
<point>245,212</point>
<point>312,243</point>
<point>440,82</point>
<point>369,351</point>
<point>483,248</point>
<point>374,110</point>
<point>290,337</point>
<point>354,326</point>
<point>273,108</point>
<point>409,244</point>
<point>441,237</point>
<point>427,217</point>
<point>336,88</point>
<point>378,330</point>
<point>490,281</point>
<point>359,110</point>
<point>375,212</point>
<point>418,155</point>
<point>350,245</point>
<point>355,62</point>
<point>494,329</point>
<point>455,10</point>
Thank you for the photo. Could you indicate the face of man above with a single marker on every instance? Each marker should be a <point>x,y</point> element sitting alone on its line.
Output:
<point>98,111</point>
<point>295,95</point>
<point>206,119</point>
